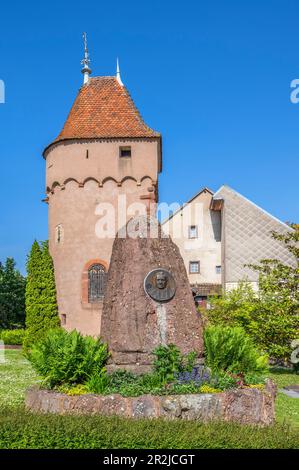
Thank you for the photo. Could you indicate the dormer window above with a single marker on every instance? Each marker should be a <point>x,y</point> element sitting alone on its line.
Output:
<point>125,152</point>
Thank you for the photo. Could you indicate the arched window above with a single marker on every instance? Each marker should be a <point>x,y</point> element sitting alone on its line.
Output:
<point>96,282</point>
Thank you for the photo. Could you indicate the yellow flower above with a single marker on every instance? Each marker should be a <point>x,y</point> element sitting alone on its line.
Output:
<point>208,389</point>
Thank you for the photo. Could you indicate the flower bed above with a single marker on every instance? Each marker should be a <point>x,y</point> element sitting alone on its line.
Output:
<point>242,405</point>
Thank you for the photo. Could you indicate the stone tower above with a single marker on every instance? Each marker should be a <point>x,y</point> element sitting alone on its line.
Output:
<point>104,160</point>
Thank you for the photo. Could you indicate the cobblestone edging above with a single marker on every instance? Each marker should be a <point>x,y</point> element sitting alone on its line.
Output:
<point>247,406</point>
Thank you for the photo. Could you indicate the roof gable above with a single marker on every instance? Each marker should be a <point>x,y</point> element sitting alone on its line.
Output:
<point>248,237</point>
<point>103,108</point>
<point>205,189</point>
<point>225,190</point>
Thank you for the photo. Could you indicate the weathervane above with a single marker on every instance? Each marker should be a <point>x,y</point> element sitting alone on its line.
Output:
<point>85,62</point>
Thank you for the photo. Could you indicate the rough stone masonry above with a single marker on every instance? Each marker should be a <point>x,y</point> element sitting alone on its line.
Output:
<point>243,405</point>
<point>131,320</point>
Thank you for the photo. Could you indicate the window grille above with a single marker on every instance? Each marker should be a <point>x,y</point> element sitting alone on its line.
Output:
<point>96,282</point>
<point>194,267</point>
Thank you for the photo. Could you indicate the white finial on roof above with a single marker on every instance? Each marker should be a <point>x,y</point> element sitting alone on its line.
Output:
<point>85,62</point>
<point>118,73</point>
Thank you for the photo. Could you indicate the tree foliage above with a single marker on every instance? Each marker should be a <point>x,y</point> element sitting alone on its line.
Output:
<point>41,304</point>
<point>12,295</point>
<point>271,315</point>
<point>293,225</point>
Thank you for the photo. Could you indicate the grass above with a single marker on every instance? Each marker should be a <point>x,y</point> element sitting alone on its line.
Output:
<point>287,408</point>
<point>16,374</point>
<point>20,429</point>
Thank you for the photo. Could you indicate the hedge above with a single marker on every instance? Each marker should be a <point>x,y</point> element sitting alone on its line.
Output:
<point>23,430</point>
<point>14,337</point>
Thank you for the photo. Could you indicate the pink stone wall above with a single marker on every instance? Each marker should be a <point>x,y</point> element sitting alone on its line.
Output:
<point>246,406</point>
<point>76,187</point>
<point>68,160</point>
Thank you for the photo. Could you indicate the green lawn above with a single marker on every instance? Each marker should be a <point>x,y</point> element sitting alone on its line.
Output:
<point>287,408</point>
<point>20,429</point>
<point>16,374</point>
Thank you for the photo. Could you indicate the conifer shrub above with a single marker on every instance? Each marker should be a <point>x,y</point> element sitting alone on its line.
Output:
<point>41,304</point>
<point>229,349</point>
<point>62,358</point>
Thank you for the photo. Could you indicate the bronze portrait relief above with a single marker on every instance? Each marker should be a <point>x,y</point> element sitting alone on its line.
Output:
<point>159,284</point>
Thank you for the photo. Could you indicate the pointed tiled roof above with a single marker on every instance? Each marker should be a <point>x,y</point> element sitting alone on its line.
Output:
<point>104,109</point>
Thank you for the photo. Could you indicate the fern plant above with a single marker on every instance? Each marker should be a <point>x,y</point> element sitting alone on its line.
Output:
<point>67,358</point>
<point>230,349</point>
<point>98,383</point>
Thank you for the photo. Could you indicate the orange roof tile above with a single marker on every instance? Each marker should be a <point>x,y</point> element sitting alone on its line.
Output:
<point>104,109</point>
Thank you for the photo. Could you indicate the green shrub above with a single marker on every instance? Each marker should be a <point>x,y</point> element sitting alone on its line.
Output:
<point>41,304</point>
<point>12,336</point>
<point>254,379</point>
<point>151,384</point>
<point>230,349</point>
<point>67,358</point>
<point>270,317</point>
<point>130,385</point>
<point>98,382</point>
<point>167,362</point>
<point>224,380</point>
<point>121,377</point>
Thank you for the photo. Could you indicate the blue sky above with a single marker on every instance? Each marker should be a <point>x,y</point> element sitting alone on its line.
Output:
<point>213,77</point>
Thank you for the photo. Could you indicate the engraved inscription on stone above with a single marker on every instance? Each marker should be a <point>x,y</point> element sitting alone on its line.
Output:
<point>159,284</point>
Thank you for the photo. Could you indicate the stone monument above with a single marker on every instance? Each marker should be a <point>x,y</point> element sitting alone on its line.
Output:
<point>148,299</point>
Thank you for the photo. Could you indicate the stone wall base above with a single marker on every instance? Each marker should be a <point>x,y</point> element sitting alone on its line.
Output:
<point>247,406</point>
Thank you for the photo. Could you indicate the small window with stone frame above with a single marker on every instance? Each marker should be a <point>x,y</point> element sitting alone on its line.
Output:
<point>125,152</point>
<point>194,267</point>
<point>193,231</point>
<point>58,233</point>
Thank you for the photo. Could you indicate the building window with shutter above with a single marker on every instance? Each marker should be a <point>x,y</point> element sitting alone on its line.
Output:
<point>193,231</point>
<point>96,282</point>
<point>194,267</point>
<point>218,269</point>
